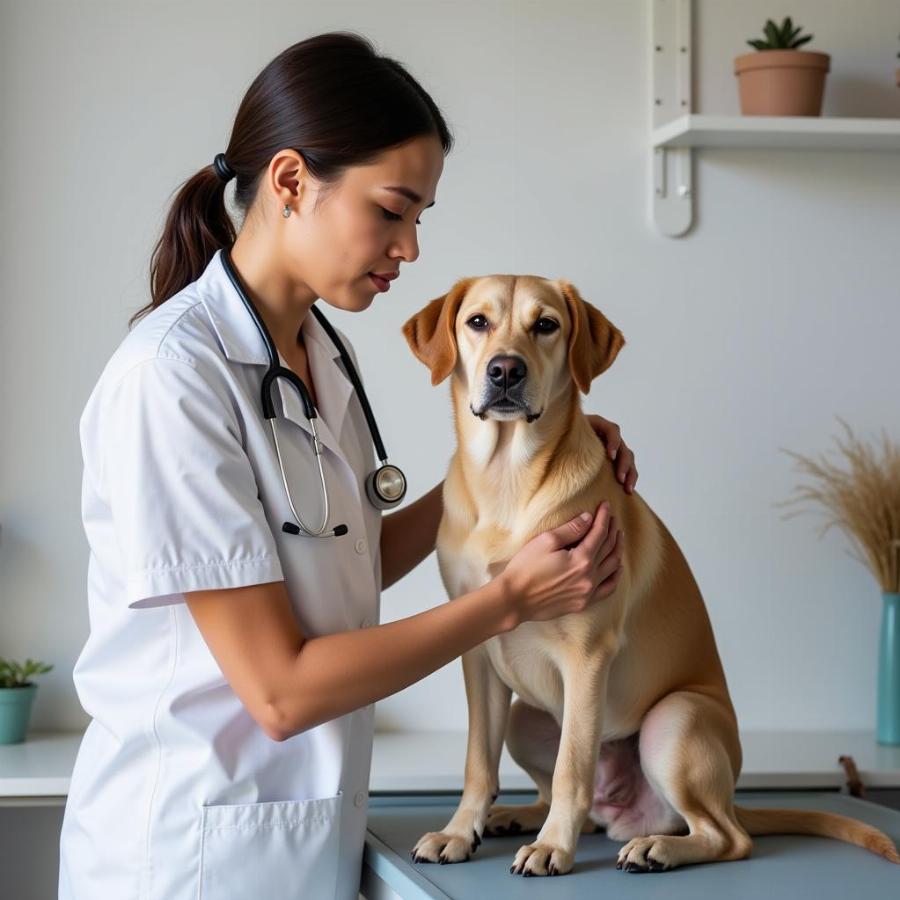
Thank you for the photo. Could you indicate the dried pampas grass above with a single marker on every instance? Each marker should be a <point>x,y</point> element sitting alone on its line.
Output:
<point>864,502</point>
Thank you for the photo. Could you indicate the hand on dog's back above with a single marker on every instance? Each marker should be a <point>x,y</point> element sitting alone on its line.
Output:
<point>566,569</point>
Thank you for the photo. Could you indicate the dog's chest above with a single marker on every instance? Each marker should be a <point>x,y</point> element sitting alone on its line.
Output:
<point>466,567</point>
<point>519,657</point>
<point>520,660</point>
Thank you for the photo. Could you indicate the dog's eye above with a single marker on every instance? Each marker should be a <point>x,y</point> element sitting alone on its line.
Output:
<point>478,322</point>
<point>545,326</point>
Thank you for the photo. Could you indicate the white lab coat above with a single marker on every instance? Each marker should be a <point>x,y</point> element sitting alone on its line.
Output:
<point>177,793</point>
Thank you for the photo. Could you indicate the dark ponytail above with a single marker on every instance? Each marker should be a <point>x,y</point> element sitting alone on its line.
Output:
<point>331,98</point>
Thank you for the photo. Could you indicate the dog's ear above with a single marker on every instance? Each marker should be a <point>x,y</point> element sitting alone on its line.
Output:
<point>431,332</point>
<point>595,341</point>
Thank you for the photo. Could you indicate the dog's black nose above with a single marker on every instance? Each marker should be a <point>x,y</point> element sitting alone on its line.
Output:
<point>506,371</point>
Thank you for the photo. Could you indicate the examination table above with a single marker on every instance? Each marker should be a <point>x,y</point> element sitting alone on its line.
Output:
<point>780,867</point>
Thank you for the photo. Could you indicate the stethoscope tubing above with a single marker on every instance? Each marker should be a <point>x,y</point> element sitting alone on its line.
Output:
<point>276,371</point>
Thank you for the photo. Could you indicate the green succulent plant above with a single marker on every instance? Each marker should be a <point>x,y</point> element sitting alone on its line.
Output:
<point>783,38</point>
<point>13,674</point>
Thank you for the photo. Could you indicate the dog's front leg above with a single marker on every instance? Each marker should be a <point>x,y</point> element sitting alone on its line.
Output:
<point>584,695</point>
<point>489,699</point>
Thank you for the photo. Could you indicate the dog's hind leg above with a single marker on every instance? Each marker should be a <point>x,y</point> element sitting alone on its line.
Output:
<point>690,755</point>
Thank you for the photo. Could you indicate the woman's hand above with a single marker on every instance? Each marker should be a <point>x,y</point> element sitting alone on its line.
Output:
<point>617,451</point>
<point>566,569</point>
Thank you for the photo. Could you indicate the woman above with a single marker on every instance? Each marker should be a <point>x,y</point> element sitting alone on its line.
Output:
<point>232,666</point>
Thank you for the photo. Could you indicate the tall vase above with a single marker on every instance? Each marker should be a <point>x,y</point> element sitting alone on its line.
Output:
<point>888,729</point>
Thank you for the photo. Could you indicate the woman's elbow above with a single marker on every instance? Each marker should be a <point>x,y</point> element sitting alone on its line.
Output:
<point>279,725</point>
<point>271,722</point>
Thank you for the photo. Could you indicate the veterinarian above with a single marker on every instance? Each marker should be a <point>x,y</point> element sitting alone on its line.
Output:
<point>237,545</point>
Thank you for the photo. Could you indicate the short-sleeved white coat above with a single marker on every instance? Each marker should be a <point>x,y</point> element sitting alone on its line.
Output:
<point>177,793</point>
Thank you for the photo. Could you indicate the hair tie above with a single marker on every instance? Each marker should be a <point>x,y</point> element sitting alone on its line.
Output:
<point>223,170</point>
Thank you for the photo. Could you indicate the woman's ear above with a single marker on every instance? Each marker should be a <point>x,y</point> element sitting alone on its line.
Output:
<point>594,342</point>
<point>431,332</point>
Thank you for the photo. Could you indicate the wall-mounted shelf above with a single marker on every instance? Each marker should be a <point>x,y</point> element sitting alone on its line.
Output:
<point>677,130</point>
<point>779,132</point>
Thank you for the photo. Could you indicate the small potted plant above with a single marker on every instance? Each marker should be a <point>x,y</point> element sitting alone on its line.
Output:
<point>16,697</point>
<point>863,500</point>
<point>779,79</point>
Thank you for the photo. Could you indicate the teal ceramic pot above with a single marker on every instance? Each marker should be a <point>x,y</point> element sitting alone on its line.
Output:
<point>15,711</point>
<point>888,728</point>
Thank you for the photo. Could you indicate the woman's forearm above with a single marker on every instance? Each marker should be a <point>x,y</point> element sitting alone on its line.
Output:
<point>337,673</point>
<point>408,535</point>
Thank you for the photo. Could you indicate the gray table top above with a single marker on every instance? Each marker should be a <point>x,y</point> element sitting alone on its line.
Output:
<point>780,866</point>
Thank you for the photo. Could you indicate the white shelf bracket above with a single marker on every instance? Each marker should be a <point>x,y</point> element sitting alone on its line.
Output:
<point>672,169</point>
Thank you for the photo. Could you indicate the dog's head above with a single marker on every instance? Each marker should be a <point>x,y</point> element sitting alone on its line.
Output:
<point>517,341</point>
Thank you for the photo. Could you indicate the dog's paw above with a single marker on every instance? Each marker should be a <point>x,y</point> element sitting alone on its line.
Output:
<point>440,847</point>
<point>542,859</point>
<point>645,854</point>
<point>522,819</point>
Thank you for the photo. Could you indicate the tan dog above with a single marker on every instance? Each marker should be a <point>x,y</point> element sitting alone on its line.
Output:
<point>624,713</point>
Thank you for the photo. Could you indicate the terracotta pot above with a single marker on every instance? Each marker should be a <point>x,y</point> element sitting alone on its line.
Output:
<point>781,82</point>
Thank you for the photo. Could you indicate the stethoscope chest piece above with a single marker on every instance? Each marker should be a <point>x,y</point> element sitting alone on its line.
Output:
<point>386,487</point>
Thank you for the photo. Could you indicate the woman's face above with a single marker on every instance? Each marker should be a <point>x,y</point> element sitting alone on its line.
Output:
<point>365,223</point>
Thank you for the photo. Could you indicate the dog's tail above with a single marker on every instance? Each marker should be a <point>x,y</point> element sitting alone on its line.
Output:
<point>824,824</point>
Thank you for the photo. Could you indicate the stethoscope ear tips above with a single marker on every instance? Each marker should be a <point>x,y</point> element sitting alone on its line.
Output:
<point>386,487</point>
<point>337,531</point>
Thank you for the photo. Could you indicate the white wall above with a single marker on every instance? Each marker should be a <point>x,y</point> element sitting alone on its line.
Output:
<point>778,311</point>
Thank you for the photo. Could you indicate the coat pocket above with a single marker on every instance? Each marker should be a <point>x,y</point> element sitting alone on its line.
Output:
<point>278,850</point>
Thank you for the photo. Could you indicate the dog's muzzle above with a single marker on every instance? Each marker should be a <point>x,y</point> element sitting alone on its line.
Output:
<point>505,388</point>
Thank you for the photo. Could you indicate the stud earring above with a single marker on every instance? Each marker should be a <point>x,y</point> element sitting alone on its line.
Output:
<point>286,211</point>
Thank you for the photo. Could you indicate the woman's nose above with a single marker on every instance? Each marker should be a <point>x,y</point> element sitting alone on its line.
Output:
<point>407,246</point>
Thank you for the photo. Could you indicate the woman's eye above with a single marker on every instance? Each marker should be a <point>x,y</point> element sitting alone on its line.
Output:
<point>394,217</point>
<point>545,326</point>
<point>477,322</point>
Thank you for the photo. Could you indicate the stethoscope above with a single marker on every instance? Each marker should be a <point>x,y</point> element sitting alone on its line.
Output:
<point>385,487</point>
